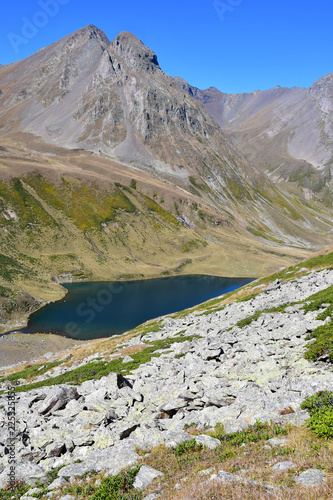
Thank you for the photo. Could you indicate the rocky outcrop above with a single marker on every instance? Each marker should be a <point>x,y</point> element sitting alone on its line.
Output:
<point>226,374</point>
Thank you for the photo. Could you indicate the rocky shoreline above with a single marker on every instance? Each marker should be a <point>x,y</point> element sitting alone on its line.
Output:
<point>225,374</point>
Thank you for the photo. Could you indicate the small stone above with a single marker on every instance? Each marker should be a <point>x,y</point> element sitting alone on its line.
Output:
<point>57,483</point>
<point>208,441</point>
<point>277,441</point>
<point>224,476</point>
<point>283,466</point>
<point>311,477</point>
<point>205,472</point>
<point>145,476</point>
<point>127,359</point>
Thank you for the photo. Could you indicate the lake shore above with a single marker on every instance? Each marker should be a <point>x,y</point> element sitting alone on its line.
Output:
<point>17,348</point>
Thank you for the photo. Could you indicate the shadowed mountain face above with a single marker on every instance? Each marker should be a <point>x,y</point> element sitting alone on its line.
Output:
<point>287,133</point>
<point>109,168</point>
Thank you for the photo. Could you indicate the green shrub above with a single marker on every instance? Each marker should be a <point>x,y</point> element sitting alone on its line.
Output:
<point>323,335</point>
<point>119,487</point>
<point>323,344</point>
<point>187,447</point>
<point>320,407</point>
<point>254,433</point>
<point>321,422</point>
<point>319,401</point>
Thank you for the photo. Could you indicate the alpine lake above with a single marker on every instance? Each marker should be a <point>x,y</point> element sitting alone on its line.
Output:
<point>92,310</point>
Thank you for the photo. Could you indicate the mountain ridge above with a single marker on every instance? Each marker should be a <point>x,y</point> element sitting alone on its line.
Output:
<point>287,132</point>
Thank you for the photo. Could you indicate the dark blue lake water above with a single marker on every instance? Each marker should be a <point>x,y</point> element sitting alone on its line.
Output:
<point>103,309</point>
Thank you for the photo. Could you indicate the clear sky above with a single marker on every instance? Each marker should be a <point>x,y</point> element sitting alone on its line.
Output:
<point>234,45</point>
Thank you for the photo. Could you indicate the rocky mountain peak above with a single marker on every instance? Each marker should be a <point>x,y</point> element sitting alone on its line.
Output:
<point>92,32</point>
<point>322,89</point>
<point>137,54</point>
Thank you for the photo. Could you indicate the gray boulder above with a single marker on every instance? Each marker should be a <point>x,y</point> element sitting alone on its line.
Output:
<point>74,470</point>
<point>280,466</point>
<point>145,476</point>
<point>311,477</point>
<point>277,441</point>
<point>208,441</point>
<point>28,473</point>
<point>58,483</point>
<point>58,399</point>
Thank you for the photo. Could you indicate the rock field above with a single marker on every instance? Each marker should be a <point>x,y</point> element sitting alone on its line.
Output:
<point>226,374</point>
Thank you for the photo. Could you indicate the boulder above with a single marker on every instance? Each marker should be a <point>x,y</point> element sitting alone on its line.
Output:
<point>277,441</point>
<point>26,472</point>
<point>145,477</point>
<point>58,399</point>
<point>311,477</point>
<point>208,441</point>
<point>58,483</point>
<point>280,466</point>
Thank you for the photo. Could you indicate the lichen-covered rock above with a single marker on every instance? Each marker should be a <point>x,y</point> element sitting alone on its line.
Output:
<point>145,477</point>
<point>58,399</point>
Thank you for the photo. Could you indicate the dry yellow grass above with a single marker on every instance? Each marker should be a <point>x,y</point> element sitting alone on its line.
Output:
<point>251,462</point>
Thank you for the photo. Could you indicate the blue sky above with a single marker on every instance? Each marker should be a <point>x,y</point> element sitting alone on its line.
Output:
<point>234,45</point>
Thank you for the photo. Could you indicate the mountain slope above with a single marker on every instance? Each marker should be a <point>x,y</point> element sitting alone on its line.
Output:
<point>288,133</point>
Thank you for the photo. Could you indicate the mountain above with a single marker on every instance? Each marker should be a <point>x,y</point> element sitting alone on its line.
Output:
<point>287,133</point>
<point>109,168</point>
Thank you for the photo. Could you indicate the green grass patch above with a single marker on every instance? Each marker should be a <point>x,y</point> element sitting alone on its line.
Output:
<point>6,292</point>
<point>318,299</point>
<point>257,432</point>
<point>323,335</point>
<point>14,494</point>
<point>155,207</point>
<point>247,321</point>
<point>85,204</point>
<point>188,246</point>
<point>11,268</point>
<point>199,185</point>
<point>31,371</point>
<point>119,487</point>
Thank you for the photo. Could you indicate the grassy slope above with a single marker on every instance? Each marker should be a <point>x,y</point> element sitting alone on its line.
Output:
<point>71,212</point>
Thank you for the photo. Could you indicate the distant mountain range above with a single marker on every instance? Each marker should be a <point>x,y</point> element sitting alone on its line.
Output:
<point>110,168</point>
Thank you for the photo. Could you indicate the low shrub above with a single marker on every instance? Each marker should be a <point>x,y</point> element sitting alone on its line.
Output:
<point>320,407</point>
<point>119,487</point>
<point>187,447</point>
